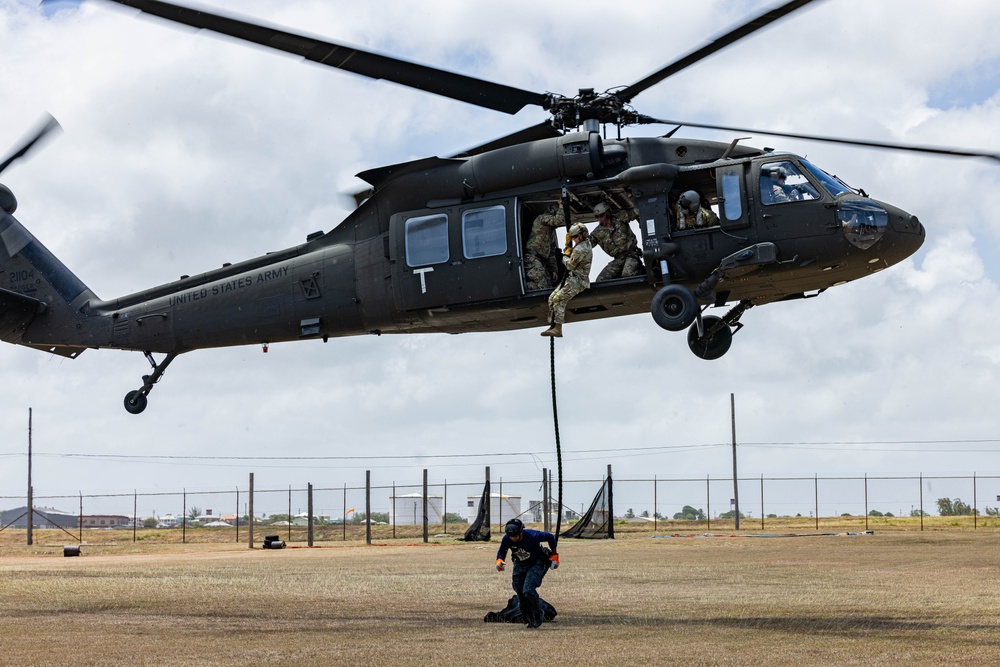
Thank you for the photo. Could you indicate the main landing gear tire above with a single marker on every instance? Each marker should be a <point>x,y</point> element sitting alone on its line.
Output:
<point>135,401</point>
<point>674,307</point>
<point>711,345</point>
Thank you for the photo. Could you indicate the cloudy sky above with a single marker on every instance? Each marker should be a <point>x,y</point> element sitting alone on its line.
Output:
<point>182,151</point>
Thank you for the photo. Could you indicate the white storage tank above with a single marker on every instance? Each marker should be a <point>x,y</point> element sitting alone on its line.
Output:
<point>408,510</point>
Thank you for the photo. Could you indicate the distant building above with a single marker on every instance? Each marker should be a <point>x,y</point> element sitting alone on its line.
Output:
<point>42,517</point>
<point>106,521</point>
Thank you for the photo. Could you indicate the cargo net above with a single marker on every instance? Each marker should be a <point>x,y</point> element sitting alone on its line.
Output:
<point>597,523</point>
<point>479,531</point>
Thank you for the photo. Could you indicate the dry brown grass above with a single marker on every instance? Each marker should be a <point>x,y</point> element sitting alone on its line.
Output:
<point>891,598</point>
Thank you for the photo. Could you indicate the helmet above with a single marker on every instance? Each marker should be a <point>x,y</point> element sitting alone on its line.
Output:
<point>578,229</point>
<point>776,172</point>
<point>690,200</point>
<point>602,208</point>
<point>514,527</point>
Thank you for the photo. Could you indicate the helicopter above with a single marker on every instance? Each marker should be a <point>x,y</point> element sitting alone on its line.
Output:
<point>436,244</point>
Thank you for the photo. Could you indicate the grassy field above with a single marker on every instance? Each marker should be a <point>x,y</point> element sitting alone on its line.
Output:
<point>893,597</point>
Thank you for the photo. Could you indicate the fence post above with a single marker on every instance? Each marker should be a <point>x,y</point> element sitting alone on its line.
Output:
<point>309,531</point>
<point>816,492</point>
<point>545,501</point>
<point>184,518</point>
<point>866,501</point>
<point>425,505</point>
<point>368,507</point>
<point>135,512</point>
<point>654,504</point>
<point>975,507</point>
<point>237,515</point>
<point>762,501</point>
<point>344,521</point>
<point>921,501</point>
<point>289,540</point>
<point>394,509</point>
<point>708,500</point>
<point>489,501</point>
<point>611,504</point>
<point>250,514</point>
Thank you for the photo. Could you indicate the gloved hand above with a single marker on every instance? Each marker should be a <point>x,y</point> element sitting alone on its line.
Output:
<point>499,565</point>
<point>553,561</point>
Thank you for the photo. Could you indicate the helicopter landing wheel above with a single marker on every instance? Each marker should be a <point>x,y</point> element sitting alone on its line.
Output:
<point>135,401</point>
<point>674,307</point>
<point>716,341</point>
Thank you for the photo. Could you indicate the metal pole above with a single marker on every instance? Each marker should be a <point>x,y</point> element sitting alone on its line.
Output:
<point>708,501</point>
<point>135,512</point>
<point>545,500</point>
<point>394,510</point>
<point>762,501</point>
<point>80,539</point>
<point>237,515</point>
<point>309,531</point>
<point>975,508</point>
<point>611,505</point>
<point>425,506</point>
<point>921,501</point>
<point>250,514</point>
<point>184,518</point>
<point>654,503</point>
<point>816,493</point>
<point>31,497</point>
<point>289,540</point>
<point>489,500</point>
<point>866,501</point>
<point>736,483</point>
<point>444,507</point>
<point>500,502</point>
<point>344,522</point>
<point>368,507</point>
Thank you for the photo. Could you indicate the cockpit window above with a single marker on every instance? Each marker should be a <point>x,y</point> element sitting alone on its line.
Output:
<point>782,182</point>
<point>833,185</point>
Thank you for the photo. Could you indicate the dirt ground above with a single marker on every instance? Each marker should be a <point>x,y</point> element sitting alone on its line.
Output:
<point>887,598</point>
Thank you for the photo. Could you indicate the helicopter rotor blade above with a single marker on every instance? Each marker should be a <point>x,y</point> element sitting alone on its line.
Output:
<point>711,48</point>
<point>47,125</point>
<point>365,63</point>
<point>935,150</point>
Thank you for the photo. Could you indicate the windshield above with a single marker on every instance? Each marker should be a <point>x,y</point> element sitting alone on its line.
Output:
<point>833,185</point>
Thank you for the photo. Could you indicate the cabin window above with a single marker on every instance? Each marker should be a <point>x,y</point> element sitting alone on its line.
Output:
<point>484,232</point>
<point>427,240</point>
<point>733,208</point>
<point>782,182</point>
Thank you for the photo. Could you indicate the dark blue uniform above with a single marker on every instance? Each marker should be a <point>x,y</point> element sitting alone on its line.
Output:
<point>531,561</point>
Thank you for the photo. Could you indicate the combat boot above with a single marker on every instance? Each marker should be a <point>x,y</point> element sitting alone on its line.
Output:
<point>555,331</point>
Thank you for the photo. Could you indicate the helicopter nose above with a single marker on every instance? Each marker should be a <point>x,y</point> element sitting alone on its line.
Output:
<point>908,232</point>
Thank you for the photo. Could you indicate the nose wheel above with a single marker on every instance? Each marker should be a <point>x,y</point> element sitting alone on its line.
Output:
<point>136,400</point>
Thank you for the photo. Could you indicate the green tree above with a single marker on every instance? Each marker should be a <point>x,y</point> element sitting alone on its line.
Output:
<point>451,517</point>
<point>194,512</point>
<point>730,514</point>
<point>645,514</point>
<point>949,507</point>
<point>630,514</point>
<point>875,513</point>
<point>150,522</point>
<point>689,513</point>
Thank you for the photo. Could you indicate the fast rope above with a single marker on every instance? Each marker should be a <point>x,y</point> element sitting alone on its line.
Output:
<point>555,420</point>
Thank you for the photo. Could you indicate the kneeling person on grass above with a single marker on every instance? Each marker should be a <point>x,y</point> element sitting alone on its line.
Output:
<point>533,553</point>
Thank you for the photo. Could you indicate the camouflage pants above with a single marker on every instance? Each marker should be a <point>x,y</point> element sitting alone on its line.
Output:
<point>561,296</point>
<point>539,272</point>
<point>620,267</point>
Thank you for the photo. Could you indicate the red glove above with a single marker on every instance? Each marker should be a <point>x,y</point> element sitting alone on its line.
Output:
<point>499,565</point>
<point>553,561</point>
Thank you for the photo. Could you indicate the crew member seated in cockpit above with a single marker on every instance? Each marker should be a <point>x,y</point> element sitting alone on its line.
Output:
<point>691,214</point>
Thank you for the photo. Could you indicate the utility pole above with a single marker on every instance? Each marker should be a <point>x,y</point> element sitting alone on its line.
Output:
<point>736,483</point>
<point>31,499</point>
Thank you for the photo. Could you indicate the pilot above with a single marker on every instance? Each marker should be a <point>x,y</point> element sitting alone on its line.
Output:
<point>691,214</point>
<point>541,256</point>
<point>577,279</point>
<point>533,553</point>
<point>778,191</point>
<point>615,237</point>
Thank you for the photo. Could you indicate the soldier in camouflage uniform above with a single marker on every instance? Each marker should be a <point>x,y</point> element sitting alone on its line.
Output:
<point>577,279</point>
<point>691,214</point>
<point>541,254</point>
<point>615,237</point>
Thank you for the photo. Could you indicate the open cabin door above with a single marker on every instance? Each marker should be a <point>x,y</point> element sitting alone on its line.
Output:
<point>455,255</point>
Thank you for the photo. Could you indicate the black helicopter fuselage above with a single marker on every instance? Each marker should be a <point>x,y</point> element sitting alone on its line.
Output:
<point>438,247</point>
